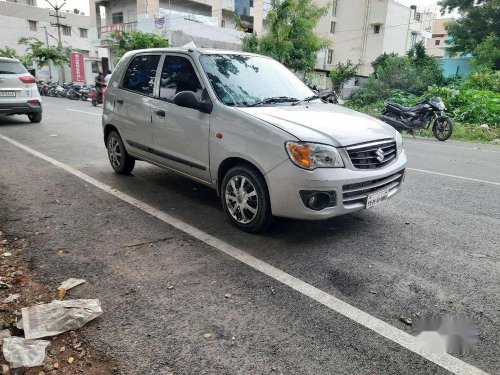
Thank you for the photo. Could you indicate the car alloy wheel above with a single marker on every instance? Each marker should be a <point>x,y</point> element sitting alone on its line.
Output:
<point>241,199</point>
<point>114,152</point>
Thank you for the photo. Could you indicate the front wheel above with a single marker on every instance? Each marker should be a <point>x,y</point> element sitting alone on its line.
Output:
<point>442,129</point>
<point>120,160</point>
<point>245,199</point>
<point>94,102</point>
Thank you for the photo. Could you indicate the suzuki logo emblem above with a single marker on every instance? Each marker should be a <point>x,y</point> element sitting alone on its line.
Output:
<point>380,155</point>
<point>2,80</point>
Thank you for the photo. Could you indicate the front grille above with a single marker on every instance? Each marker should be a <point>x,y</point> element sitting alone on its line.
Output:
<point>372,155</point>
<point>358,192</point>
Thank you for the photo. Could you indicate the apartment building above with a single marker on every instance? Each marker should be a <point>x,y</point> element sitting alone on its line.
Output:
<point>23,18</point>
<point>437,45</point>
<point>207,23</point>
<point>361,30</point>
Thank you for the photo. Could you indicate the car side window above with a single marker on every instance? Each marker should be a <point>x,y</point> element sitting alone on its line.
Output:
<point>178,75</point>
<point>140,74</point>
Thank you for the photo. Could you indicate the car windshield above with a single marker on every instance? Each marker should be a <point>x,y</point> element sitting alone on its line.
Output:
<point>244,80</point>
<point>12,67</point>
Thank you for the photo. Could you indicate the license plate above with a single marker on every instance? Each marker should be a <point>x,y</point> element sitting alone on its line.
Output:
<point>377,198</point>
<point>8,93</point>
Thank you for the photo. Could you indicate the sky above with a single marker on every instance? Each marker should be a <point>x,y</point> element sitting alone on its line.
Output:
<point>83,5</point>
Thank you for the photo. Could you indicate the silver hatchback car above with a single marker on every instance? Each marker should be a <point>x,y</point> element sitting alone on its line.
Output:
<point>246,126</point>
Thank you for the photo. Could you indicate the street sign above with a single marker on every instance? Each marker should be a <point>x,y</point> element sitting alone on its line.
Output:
<point>77,67</point>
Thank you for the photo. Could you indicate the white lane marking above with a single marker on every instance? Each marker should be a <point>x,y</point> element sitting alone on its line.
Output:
<point>90,113</point>
<point>442,145</point>
<point>454,176</point>
<point>384,329</point>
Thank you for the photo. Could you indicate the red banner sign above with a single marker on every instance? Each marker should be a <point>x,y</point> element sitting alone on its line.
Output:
<point>77,67</point>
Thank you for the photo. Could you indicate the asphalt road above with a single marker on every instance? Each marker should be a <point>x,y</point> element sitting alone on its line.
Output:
<point>162,289</point>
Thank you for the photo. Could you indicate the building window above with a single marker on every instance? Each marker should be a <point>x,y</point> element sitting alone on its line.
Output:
<point>334,7</point>
<point>413,39</point>
<point>330,56</point>
<point>437,42</point>
<point>376,29</point>
<point>332,27</point>
<point>66,30</point>
<point>32,25</point>
<point>30,2</point>
<point>117,18</point>
<point>223,23</point>
<point>417,16</point>
<point>83,33</point>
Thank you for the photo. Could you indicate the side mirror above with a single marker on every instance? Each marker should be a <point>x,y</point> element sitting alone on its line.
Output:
<point>188,99</point>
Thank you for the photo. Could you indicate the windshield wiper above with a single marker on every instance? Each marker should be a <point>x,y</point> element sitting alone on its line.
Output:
<point>274,99</point>
<point>306,100</point>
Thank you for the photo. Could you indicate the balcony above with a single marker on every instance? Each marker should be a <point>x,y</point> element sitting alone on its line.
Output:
<point>104,31</point>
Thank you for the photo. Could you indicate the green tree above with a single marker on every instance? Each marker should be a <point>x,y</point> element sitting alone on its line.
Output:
<point>487,53</point>
<point>129,41</point>
<point>291,38</point>
<point>41,55</point>
<point>8,52</point>
<point>342,73</point>
<point>480,20</point>
<point>381,60</point>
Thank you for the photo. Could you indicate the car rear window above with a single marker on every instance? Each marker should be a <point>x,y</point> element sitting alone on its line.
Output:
<point>12,67</point>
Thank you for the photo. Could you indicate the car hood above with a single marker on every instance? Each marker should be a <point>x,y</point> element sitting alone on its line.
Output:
<point>323,123</point>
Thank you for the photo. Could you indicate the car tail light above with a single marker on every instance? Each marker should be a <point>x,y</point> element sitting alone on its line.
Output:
<point>34,102</point>
<point>28,78</point>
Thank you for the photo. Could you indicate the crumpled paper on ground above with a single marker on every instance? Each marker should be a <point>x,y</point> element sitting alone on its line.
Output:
<point>53,318</point>
<point>70,283</point>
<point>20,352</point>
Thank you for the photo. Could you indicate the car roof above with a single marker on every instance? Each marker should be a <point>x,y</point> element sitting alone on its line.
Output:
<point>8,59</point>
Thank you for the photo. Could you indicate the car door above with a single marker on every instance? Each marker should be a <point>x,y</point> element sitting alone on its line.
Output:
<point>180,135</point>
<point>132,104</point>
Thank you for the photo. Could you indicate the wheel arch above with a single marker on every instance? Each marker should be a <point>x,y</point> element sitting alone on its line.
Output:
<point>231,162</point>
<point>108,128</point>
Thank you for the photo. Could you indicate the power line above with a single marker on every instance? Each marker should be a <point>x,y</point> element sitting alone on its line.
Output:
<point>58,24</point>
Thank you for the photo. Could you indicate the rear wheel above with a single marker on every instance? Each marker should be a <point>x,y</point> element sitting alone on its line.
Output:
<point>120,160</point>
<point>35,117</point>
<point>245,199</point>
<point>94,102</point>
<point>442,129</point>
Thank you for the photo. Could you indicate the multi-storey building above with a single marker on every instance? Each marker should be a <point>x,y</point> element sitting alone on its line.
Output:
<point>437,45</point>
<point>361,30</point>
<point>23,18</point>
<point>208,23</point>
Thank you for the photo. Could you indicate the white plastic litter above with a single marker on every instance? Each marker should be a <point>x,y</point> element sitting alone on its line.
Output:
<point>56,317</point>
<point>11,298</point>
<point>20,352</point>
<point>3,334</point>
<point>70,283</point>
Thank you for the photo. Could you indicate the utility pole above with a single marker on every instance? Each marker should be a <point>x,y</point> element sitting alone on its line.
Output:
<point>47,45</point>
<point>58,24</point>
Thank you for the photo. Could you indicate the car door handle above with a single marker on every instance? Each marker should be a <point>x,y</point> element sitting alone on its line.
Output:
<point>119,101</point>
<point>160,112</point>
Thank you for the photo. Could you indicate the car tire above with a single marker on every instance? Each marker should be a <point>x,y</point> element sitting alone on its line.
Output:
<point>120,160</point>
<point>35,117</point>
<point>249,208</point>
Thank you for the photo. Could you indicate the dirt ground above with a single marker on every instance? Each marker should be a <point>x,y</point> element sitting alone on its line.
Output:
<point>68,353</point>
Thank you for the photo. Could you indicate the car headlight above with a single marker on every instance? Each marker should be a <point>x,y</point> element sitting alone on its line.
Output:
<point>399,143</point>
<point>313,155</point>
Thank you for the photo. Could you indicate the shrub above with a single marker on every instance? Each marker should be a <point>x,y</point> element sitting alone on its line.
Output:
<point>469,105</point>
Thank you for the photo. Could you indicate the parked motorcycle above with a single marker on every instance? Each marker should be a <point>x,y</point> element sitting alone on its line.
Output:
<point>429,112</point>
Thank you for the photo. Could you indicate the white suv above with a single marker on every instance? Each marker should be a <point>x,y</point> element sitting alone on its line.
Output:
<point>18,92</point>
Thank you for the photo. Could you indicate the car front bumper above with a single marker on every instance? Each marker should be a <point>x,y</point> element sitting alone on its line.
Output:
<point>19,108</point>
<point>287,180</point>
